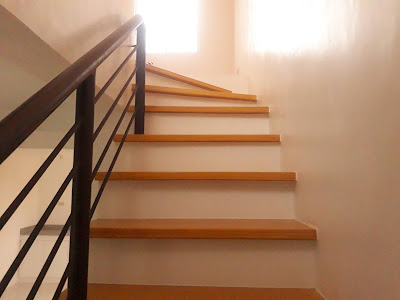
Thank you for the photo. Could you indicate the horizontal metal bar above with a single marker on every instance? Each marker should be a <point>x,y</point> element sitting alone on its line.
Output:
<point>49,260</point>
<point>16,127</point>
<point>110,111</point>
<point>105,87</point>
<point>104,153</point>
<point>61,283</point>
<point>104,183</point>
<point>32,237</point>
<point>30,185</point>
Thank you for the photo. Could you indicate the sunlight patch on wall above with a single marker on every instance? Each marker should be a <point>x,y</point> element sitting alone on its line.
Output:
<point>172,26</point>
<point>288,26</point>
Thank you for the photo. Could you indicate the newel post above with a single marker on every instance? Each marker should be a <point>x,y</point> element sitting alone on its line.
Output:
<point>140,103</point>
<point>81,191</point>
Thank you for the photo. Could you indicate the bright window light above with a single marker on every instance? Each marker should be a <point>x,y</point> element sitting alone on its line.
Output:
<point>288,26</point>
<point>172,25</point>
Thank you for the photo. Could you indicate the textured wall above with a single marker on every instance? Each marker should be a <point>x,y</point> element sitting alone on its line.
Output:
<point>335,99</point>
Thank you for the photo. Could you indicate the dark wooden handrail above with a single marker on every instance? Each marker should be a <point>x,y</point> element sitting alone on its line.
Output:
<point>25,119</point>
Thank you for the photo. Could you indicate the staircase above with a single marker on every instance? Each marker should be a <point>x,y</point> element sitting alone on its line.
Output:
<point>194,204</point>
<point>186,209</point>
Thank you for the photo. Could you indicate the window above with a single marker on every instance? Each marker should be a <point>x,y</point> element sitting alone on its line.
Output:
<point>172,25</point>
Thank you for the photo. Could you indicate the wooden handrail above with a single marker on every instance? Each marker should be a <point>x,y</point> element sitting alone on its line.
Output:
<point>24,120</point>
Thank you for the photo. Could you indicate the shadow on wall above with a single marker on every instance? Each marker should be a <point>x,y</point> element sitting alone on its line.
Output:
<point>90,35</point>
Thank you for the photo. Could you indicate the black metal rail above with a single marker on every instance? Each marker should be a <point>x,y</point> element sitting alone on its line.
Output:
<point>16,128</point>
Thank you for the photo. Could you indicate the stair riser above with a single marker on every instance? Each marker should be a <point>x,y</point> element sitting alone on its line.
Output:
<point>173,123</point>
<point>232,82</point>
<point>200,199</point>
<point>177,78</point>
<point>163,90</point>
<point>199,157</point>
<point>203,263</point>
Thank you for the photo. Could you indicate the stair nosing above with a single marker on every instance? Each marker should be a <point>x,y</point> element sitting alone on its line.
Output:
<point>198,93</point>
<point>266,229</point>
<point>259,110</point>
<point>199,176</point>
<point>201,138</point>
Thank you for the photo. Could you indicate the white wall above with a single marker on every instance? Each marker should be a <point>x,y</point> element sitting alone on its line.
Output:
<point>337,107</point>
<point>15,172</point>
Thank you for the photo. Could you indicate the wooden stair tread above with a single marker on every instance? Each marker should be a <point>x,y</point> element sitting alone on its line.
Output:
<point>197,93</point>
<point>130,292</point>
<point>235,176</point>
<point>198,138</point>
<point>184,79</point>
<point>205,110</point>
<point>202,229</point>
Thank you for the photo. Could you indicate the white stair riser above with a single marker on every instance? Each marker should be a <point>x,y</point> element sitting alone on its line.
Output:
<point>198,157</point>
<point>234,83</point>
<point>172,123</point>
<point>197,199</point>
<point>238,263</point>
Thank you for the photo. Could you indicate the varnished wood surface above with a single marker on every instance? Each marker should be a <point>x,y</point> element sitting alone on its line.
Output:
<point>132,292</point>
<point>197,93</point>
<point>202,229</point>
<point>235,176</point>
<point>199,138</point>
<point>184,79</point>
<point>257,110</point>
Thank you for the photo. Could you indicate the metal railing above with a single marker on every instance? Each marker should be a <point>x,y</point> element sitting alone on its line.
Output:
<point>16,128</point>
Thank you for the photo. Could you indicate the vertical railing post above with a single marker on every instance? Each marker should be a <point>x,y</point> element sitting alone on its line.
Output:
<point>81,191</point>
<point>140,103</point>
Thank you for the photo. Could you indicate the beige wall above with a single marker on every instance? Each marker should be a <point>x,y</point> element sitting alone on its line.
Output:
<point>23,72</point>
<point>74,27</point>
<point>337,107</point>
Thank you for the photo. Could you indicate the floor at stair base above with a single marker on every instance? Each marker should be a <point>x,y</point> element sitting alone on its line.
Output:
<point>199,157</point>
<point>145,292</point>
<point>20,291</point>
<point>206,124</point>
<point>197,199</point>
<point>228,263</point>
